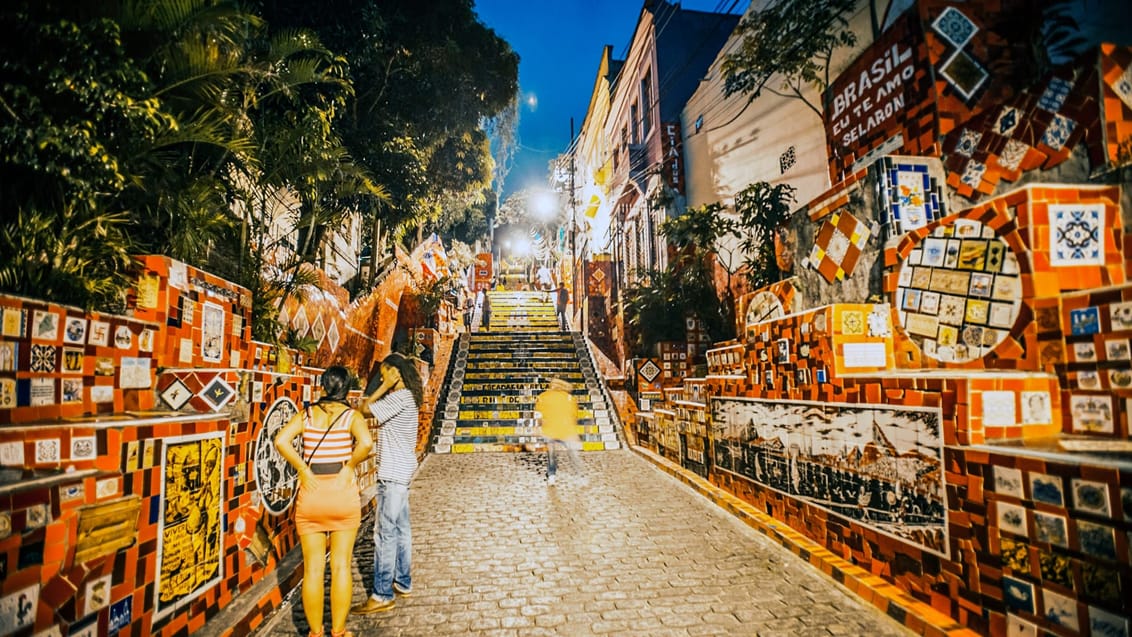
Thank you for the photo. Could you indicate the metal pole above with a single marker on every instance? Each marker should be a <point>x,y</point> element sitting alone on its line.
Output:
<point>573,224</point>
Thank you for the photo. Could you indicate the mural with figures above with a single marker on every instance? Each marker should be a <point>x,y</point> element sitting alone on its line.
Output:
<point>879,466</point>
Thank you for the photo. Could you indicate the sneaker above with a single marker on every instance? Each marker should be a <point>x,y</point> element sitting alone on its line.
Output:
<point>550,479</point>
<point>372,606</point>
<point>401,591</point>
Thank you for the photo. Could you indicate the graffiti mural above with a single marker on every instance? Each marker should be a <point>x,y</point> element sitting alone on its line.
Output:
<point>275,479</point>
<point>190,539</point>
<point>879,466</point>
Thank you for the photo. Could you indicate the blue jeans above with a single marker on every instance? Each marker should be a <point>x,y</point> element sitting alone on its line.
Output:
<point>393,540</point>
<point>571,449</point>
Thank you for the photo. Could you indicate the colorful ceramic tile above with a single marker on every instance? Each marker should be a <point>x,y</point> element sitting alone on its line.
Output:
<point>134,373</point>
<point>965,74</point>
<point>123,337</point>
<point>838,245</point>
<point>880,325</point>
<point>212,333</point>
<point>1047,489</point>
<point>1008,481</point>
<point>43,358</point>
<point>1077,234</point>
<point>176,394</point>
<point>968,142</point>
<point>1117,349</point>
<point>1013,154</point>
<point>1060,610</point>
<point>121,614</point>
<point>973,174</point>
<point>14,322</point>
<point>102,394</point>
<point>44,325</point>
<point>1091,413</point>
<point>1105,624</point>
<point>998,409</point>
<point>1096,539</point>
<point>1089,379</point>
<point>1036,408</point>
<point>1011,518</point>
<point>1015,554</point>
<point>1007,120</point>
<point>1091,497</point>
<point>36,516</point>
<point>1085,352</point>
<point>929,303</point>
<point>145,340</point>
<point>1050,529</point>
<point>1101,582</point>
<point>1084,321</point>
<point>18,610</point>
<point>1120,378</point>
<point>97,594</point>
<point>934,249</point>
<point>74,331</point>
<point>1018,594</point>
<point>1054,95</point>
<point>954,26</point>
<point>12,454</point>
<point>318,329</point>
<point>47,451</point>
<point>217,393</point>
<point>1055,567</point>
<point>1125,501</point>
<point>978,311</point>
<point>99,333</point>
<point>9,354</point>
<point>73,360</point>
<point>981,285</point>
<point>42,392</point>
<point>5,524</point>
<point>1018,627</point>
<point>72,390</point>
<point>1058,132</point>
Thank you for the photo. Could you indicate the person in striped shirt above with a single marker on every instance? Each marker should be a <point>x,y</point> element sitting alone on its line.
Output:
<point>395,406</point>
<point>335,438</point>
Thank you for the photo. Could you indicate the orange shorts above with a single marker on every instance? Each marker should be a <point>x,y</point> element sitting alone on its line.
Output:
<point>321,508</point>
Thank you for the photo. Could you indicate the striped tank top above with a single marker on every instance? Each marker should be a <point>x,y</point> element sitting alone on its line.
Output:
<point>335,448</point>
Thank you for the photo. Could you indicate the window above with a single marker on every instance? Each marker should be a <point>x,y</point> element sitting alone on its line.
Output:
<point>635,121</point>
<point>646,102</point>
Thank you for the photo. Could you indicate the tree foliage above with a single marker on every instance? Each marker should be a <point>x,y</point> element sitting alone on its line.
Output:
<point>793,40</point>
<point>763,208</point>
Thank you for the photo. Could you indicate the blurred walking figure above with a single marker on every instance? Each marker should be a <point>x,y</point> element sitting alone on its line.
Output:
<point>559,413</point>
<point>395,405</point>
<point>335,439</point>
<point>561,300</point>
<point>485,313</point>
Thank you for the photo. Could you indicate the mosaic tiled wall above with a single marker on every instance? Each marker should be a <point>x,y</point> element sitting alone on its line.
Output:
<point>61,362</point>
<point>139,489</point>
<point>946,398</point>
<point>930,74</point>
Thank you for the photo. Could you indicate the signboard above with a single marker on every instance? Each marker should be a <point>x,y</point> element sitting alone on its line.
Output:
<point>190,539</point>
<point>482,272</point>
<point>878,100</point>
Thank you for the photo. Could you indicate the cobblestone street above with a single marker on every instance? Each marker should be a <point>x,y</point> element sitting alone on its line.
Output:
<point>622,548</point>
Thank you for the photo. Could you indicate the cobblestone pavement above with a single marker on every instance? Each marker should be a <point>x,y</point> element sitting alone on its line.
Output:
<point>618,548</point>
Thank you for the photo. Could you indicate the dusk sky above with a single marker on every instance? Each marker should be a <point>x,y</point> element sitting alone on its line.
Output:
<point>559,46</point>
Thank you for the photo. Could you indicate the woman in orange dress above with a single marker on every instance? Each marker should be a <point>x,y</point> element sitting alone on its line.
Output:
<point>335,438</point>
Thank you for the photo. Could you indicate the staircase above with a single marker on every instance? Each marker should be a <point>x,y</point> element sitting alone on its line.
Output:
<point>487,403</point>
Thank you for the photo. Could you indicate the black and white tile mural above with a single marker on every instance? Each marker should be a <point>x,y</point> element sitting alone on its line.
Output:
<point>879,466</point>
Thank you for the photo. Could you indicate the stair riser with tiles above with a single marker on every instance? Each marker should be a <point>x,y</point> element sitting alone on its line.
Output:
<point>488,400</point>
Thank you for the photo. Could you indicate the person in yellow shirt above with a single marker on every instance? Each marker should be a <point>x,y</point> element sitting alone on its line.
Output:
<point>559,414</point>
